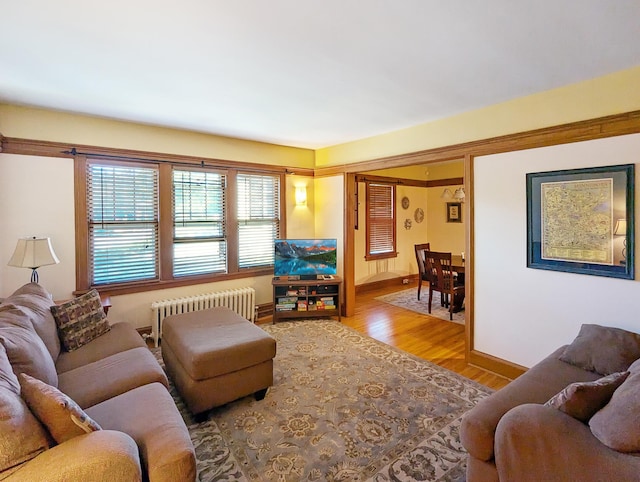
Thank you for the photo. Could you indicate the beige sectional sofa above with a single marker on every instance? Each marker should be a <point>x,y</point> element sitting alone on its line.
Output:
<point>114,379</point>
<point>573,416</point>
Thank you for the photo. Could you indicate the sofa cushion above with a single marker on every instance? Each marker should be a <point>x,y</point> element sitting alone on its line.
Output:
<point>80,320</point>
<point>60,414</point>
<point>22,437</point>
<point>165,447</point>
<point>37,302</point>
<point>13,315</point>
<point>537,385</point>
<point>121,337</point>
<point>111,376</point>
<point>582,400</point>
<point>617,425</point>
<point>603,349</point>
<point>27,353</point>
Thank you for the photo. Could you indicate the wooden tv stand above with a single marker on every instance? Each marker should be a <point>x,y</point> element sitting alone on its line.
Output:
<point>300,298</point>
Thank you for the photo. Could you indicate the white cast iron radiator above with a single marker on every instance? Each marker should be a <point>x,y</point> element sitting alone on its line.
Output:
<point>240,300</point>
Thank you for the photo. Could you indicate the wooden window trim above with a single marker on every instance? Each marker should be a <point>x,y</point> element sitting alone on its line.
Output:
<point>386,255</point>
<point>165,248</point>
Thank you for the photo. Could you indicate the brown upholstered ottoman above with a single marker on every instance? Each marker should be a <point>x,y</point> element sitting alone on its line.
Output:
<point>216,356</point>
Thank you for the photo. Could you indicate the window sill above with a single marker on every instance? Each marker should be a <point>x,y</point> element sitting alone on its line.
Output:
<point>374,257</point>
<point>116,290</point>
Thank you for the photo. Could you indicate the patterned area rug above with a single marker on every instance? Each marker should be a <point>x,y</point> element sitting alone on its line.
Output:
<point>344,407</point>
<point>408,299</point>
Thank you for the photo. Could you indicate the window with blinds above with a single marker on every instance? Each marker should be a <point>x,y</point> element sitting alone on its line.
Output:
<point>149,221</point>
<point>258,216</point>
<point>123,223</point>
<point>199,242</point>
<point>381,221</point>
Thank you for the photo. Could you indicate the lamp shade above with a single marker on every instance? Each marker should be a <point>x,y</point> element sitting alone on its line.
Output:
<point>459,194</point>
<point>33,253</point>
<point>621,227</point>
<point>301,195</point>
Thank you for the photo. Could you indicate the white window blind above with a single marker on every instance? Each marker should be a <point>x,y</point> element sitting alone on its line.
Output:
<point>200,245</point>
<point>381,222</point>
<point>123,223</point>
<point>258,218</point>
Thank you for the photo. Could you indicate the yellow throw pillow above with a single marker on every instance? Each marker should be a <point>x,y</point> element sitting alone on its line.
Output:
<point>62,416</point>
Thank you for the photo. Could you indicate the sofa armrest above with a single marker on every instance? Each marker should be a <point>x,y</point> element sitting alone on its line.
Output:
<point>102,456</point>
<point>535,442</point>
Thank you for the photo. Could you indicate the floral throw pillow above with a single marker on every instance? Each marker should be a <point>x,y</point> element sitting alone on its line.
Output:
<point>80,320</point>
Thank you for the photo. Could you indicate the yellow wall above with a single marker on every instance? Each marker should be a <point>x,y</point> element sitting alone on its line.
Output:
<point>434,229</point>
<point>329,212</point>
<point>404,263</point>
<point>45,125</point>
<point>444,236</point>
<point>300,219</point>
<point>607,95</point>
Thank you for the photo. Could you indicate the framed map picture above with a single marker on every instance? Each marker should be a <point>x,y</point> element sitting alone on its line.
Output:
<point>582,221</point>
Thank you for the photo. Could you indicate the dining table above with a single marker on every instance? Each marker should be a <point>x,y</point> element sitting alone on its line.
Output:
<point>457,263</point>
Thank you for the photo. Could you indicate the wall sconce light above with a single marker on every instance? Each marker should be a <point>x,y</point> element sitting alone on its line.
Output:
<point>459,194</point>
<point>32,253</point>
<point>621,230</point>
<point>301,195</point>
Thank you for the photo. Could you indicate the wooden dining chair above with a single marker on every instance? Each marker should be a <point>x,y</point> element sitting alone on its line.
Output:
<point>439,265</point>
<point>423,275</point>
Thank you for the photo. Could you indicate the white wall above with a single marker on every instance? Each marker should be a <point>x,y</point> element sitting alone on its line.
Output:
<point>523,314</point>
<point>36,199</point>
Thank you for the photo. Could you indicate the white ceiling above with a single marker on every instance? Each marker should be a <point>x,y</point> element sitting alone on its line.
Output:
<point>301,72</point>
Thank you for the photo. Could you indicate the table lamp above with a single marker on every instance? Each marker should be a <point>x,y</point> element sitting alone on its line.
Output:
<point>621,230</point>
<point>32,253</point>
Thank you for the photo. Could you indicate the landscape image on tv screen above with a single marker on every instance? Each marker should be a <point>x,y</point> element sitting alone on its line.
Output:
<point>305,257</point>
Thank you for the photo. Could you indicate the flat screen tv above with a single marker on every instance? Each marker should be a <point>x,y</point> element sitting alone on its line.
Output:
<point>305,258</point>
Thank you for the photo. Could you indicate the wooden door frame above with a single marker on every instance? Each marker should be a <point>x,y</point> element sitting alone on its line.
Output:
<point>599,128</point>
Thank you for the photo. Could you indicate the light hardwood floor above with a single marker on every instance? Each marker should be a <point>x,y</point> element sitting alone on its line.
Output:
<point>427,337</point>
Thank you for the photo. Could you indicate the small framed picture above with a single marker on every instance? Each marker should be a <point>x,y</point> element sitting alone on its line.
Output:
<point>454,212</point>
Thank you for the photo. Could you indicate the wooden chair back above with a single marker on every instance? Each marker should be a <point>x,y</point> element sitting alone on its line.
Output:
<point>420,250</point>
<point>440,266</point>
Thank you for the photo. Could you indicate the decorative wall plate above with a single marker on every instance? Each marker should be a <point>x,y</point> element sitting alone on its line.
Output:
<point>405,202</point>
<point>418,215</point>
